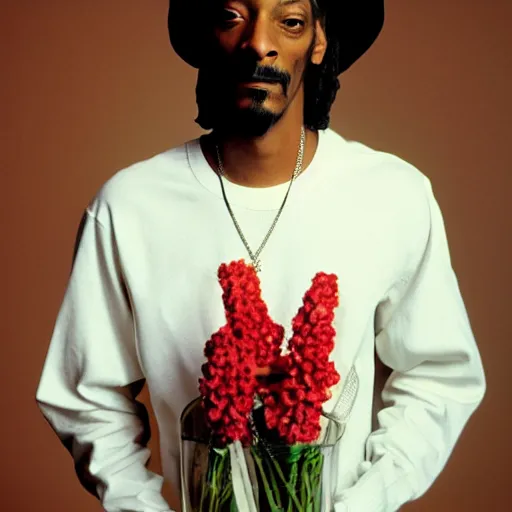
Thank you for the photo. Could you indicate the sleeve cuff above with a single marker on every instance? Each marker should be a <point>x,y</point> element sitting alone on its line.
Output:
<point>147,500</point>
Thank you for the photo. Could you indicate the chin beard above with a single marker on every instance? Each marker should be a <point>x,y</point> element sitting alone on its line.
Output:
<point>213,113</point>
<point>254,121</point>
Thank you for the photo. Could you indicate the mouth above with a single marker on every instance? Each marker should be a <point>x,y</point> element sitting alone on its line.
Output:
<point>265,85</point>
<point>259,82</point>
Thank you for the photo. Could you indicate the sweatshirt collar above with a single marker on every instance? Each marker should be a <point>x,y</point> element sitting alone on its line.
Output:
<point>251,198</point>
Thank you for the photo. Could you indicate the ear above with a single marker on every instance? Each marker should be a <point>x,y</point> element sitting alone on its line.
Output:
<point>320,44</point>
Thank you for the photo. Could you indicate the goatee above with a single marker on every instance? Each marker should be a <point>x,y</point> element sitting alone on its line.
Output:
<point>214,111</point>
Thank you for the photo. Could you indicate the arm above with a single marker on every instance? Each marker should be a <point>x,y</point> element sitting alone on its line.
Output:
<point>423,334</point>
<point>91,378</point>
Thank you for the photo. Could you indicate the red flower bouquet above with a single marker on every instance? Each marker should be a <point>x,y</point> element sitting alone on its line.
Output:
<point>259,416</point>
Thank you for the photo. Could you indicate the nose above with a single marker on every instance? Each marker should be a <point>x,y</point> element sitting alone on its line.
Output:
<point>259,39</point>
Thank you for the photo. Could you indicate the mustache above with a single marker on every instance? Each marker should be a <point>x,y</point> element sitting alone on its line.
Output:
<point>269,74</point>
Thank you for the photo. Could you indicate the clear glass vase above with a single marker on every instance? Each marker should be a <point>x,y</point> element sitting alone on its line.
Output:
<point>267,476</point>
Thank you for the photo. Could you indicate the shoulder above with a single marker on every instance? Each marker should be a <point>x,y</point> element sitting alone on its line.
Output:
<point>372,165</point>
<point>139,183</point>
<point>381,176</point>
<point>391,192</point>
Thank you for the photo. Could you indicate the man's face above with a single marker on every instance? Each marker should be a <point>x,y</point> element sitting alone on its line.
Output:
<point>255,68</point>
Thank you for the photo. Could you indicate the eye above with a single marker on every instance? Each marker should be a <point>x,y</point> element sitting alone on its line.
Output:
<point>226,17</point>
<point>294,23</point>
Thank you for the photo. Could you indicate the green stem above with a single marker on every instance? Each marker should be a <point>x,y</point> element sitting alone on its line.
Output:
<point>293,482</point>
<point>270,498</point>
<point>219,479</point>
<point>308,492</point>
<point>206,483</point>
<point>212,484</point>
<point>302,488</point>
<point>203,495</point>
<point>226,494</point>
<point>289,488</point>
<point>316,479</point>
<point>274,484</point>
<point>318,483</point>
<point>311,480</point>
<point>216,474</point>
<point>228,484</point>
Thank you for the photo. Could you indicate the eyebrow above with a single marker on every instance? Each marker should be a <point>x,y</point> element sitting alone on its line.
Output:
<point>288,2</point>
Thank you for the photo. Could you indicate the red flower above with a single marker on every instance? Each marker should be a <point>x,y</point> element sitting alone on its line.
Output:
<point>310,373</point>
<point>248,346</point>
<point>249,340</point>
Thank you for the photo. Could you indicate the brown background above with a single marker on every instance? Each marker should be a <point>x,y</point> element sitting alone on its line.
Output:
<point>89,87</point>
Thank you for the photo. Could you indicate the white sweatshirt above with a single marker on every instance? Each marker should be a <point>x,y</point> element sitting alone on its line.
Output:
<point>143,298</point>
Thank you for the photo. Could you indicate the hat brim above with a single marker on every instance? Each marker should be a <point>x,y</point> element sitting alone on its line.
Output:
<point>355,24</point>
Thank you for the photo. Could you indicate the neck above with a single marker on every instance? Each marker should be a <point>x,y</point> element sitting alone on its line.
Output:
<point>263,161</point>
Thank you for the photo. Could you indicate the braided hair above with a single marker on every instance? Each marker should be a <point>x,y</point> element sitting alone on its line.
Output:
<point>321,81</point>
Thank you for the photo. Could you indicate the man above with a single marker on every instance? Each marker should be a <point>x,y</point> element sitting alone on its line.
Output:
<point>270,184</point>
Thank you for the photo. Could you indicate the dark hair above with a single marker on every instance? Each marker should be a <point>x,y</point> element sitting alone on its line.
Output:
<point>321,81</point>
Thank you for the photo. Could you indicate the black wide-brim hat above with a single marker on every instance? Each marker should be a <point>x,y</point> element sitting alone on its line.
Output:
<point>354,23</point>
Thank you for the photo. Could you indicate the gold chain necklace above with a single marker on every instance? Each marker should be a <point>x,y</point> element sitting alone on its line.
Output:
<point>255,256</point>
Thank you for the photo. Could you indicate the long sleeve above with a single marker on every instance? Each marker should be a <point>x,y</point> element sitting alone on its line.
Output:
<point>423,334</point>
<point>91,377</point>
